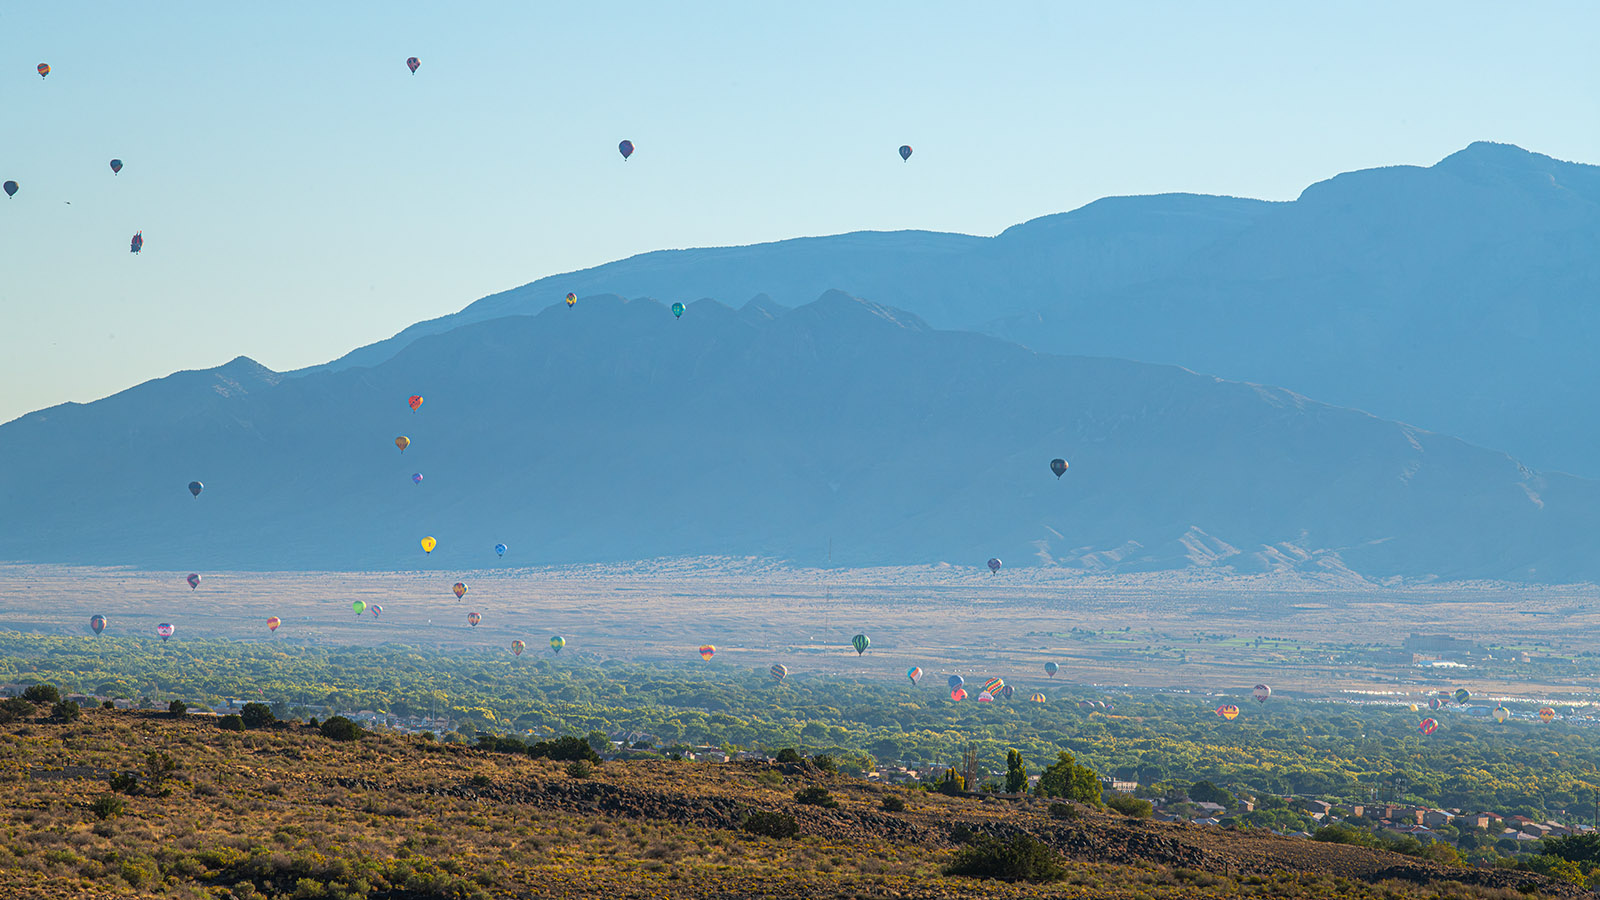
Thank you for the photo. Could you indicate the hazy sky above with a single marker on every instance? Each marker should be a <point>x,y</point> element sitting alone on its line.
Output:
<point>301,193</point>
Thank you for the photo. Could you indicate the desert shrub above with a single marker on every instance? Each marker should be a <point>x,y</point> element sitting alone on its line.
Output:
<point>1066,811</point>
<point>124,782</point>
<point>15,708</point>
<point>257,715</point>
<point>772,824</point>
<point>1340,833</point>
<point>41,694</point>
<point>480,780</point>
<point>789,755</point>
<point>107,806</point>
<point>893,803</point>
<point>1022,858</point>
<point>825,763</point>
<point>1130,806</point>
<point>177,709</point>
<point>107,704</point>
<point>65,711</point>
<point>580,768</point>
<point>338,728</point>
<point>816,796</point>
<point>231,722</point>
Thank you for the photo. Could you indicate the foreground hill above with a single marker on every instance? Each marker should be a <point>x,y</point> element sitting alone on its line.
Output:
<point>612,432</point>
<point>286,812</point>
<point>1457,297</point>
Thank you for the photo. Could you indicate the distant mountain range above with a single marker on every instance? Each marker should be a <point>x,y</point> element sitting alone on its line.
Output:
<point>612,431</point>
<point>1463,298</point>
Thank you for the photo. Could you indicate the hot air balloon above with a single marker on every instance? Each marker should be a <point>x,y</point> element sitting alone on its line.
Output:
<point>428,544</point>
<point>1414,707</point>
<point>1051,668</point>
<point>97,624</point>
<point>196,487</point>
<point>1006,690</point>
<point>956,681</point>
<point>273,622</point>
<point>1501,714</point>
<point>994,565</point>
<point>1428,726</point>
<point>517,647</point>
<point>1462,695</point>
<point>985,697</point>
<point>1262,692</point>
<point>1435,703</point>
<point>116,167</point>
<point>905,152</point>
<point>194,581</point>
<point>1058,466</point>
<point>1547,715</point>
<point>412,63</point>
<point>1229,712</point>
<point>1084,704</point>
<point>707,651</point>
<point>473,619</point>
<point>402,442</point>
<point>572,300</point>
<point>137,244</point>
<point>500,549</point>
<point>625,148</point>
<point>556,643</point>
<point>994,685</point>
<point>914,673</point>
<point>165,630</point>
<point>677,310</point>
<point>11,188</point>
<point>360,606</point>
<point>416,477</point>
<point>958,695</point>
<point>43,69</point>
<point>414,401</point>
<point>779,672</point>
<point>376,610</point>
<point>460,589</point>
<point>861,643</point>
<point>1037,698</point>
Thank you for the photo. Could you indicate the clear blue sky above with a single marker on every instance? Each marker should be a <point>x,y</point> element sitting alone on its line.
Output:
<point>302,194</point>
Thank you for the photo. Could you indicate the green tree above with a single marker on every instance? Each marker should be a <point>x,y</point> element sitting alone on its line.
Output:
<point>1016,773</point>
<point>257,715</point>
<point>65,711</point>
<point>338,728</point>
<point>1070,781</point>
<point>177,709</point>
<point>41,694</point>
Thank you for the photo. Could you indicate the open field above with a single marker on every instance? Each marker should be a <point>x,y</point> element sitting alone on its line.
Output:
<point>1181,632</point>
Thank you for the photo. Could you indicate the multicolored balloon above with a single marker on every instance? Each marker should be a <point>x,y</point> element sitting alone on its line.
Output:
<point>473,619</point>
<point>1006,690</point>
<point>914,673</point>
<point>861,642</point>
<point>778,672</point>
<point>414,401</point>
<point>1229,712</point>
<point>1037,698</point>
<point>116,167</point>
<point>956,681</point>
<point>402,442</point>
<point>413,63</point>
<point>1428,726</point>
<point>517,647</point>
<point>428,544</point>
<point>1058,466</point>
<point>556,643</point>
<point>416,477</point>
<point>707,651</point>
<point>958,695</point>
<point>194,581</point>
<point>905,152</point>
<point>1547,715</point>
<point>165,630</point>
<point>376,610</point>
<point>1261,693</point>
<point>1435,703</point>
<point>677,310</point>
<point>97,624</point>
<point>985,697</point>
<point>994,565</point>
<point>572,300</point>
<point>460,589</point>
<point>500,549</point>
<point>1051,668</point>
<point>994,685</point>
<point>360,606</point>
<point>273,622</point>
<point>625,148</point>
<point>1501,714</point>
<point>43,69</point>
<point>196,487</point>
<point>137,244</point>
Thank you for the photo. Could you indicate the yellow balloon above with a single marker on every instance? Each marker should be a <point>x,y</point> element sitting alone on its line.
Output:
<point>428,544</point>
<point>402,442</point>
<point>1413,707</point>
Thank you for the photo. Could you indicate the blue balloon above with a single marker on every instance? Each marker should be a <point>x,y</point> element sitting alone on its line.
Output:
<point>500,549</point>
<point>956,681</point>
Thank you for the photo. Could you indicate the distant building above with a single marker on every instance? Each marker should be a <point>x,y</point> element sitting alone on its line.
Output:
<point>1442,645</point>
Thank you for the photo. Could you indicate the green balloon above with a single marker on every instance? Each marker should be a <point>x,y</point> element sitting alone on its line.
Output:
<point>359,606</point>
<point>677,310</point>
<point>861,643</point>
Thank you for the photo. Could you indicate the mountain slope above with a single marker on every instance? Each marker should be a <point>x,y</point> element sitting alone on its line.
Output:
<point>612,431</point>
<point>1458,297</point>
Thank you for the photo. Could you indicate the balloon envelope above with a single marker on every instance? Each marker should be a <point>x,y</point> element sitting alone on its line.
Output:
<point>625,148</point>
<point>1051,668</point>
<point>273,622</point>
<point>557,642</point>
<point>958,695</point>
<point>414,401</point>
<point>778,672</point>
<point>914,673</point>
<point>428,544</point>
<point>1229,712</point>
<point>677,310</point>
<point>376,610</point>
<point>1037,698</point>
<point>517,647</point>
<point>165,630</point>
<point>196,487</point>
<point>11,188</point>
<point>194,581</point>
<point>97,624</point>
<point>500,549</point>
<point>402,442</point>
<point>137,244</point>
<point>956,681</point>
<point>861,643</point>
<point>994,685</point>
<point>1261,693</point>
<point>416,477</point>
<point>1428,726</point>
<point>994,565</point>
<point>905,152</point>
<point>1547,715</point>
<point>571,299</point>
<point>43,69</point>
<point>360,606</point>
<point>1462,695</point>
<point>116,166</point>
<point>1501,714</point>
<point>985,697</point>
<point>412,63</point>
<point>459,589</point>
<point>1058,466</point>
<point>707,651</point>
<point>473,619</point>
